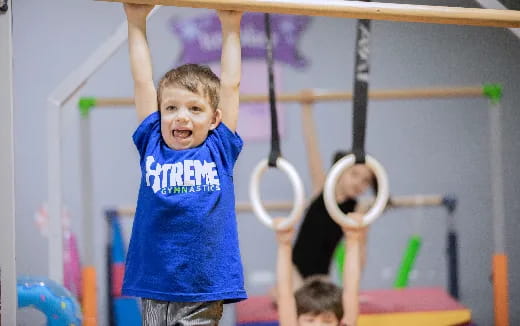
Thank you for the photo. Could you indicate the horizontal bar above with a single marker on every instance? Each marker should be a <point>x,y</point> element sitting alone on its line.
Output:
<point>391,94</point>
<point>417,201</point>
<point>406,202</point>
<point>359,10</point>
<point>397,201</point>
<point>240,207</point>
<point>324,96</point>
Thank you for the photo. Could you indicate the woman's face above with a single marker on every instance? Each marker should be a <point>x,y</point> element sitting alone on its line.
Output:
<point>355,181</point>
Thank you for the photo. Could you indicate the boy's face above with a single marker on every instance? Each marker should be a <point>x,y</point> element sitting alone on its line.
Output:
<point>327,318</point>
<point>186,118</point>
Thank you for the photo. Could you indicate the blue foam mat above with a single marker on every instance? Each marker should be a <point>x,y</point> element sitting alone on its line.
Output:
<point>127,312</point>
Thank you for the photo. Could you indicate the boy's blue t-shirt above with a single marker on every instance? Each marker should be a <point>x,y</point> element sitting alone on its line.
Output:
<point>184,243</point>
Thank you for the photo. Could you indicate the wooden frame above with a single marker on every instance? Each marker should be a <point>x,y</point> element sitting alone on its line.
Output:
<point>359,10</point>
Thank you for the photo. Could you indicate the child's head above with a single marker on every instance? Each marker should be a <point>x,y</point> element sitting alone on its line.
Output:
<point>318,302</point>
<point>355,180</point>
<point>188,98</point>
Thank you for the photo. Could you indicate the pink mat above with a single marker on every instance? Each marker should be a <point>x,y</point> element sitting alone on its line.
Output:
<point>261,308</point>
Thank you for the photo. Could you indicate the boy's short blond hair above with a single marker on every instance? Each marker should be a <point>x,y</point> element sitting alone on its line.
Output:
<point>318,295</point>
<point>196,78</point>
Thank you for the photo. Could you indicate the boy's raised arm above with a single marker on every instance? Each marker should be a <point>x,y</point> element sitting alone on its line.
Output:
<point>145,95</point>
<point>230,67</point>
<point>286,302</point>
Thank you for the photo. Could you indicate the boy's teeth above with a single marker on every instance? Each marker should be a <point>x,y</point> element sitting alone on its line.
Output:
<point>181,133</point>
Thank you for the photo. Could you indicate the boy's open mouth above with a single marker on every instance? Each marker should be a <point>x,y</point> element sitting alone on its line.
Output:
<point>182,133</point>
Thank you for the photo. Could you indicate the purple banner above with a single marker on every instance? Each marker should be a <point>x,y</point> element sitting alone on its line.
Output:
<point>201,38</point>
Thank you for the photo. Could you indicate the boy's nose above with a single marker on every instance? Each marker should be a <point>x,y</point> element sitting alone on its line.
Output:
<point>182,115</point>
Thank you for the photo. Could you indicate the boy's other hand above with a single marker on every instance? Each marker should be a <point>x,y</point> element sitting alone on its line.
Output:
<point>285,235</point>
<point>137,12</point>
<point>229,16</point>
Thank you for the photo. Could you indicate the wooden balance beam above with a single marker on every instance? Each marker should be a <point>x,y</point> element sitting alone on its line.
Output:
<point>357,9</point>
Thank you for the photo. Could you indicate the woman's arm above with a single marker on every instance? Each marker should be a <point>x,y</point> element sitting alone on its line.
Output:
<point>355,247</point>
<point>310,137</point>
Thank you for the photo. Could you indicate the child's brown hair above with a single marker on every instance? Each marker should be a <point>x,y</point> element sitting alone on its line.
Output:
<point>196,78</point>
<point>318,295</point>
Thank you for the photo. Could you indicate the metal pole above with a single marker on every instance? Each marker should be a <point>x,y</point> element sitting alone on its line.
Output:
<point>500,278</point>
<point>8,298</point>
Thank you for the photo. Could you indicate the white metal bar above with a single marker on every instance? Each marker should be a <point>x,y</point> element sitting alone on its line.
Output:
<point>77,78</point>
<point>8,297</point>
<point>283,205</point>
<point>56,100</point>
<point>317,95</point>
<point>54,191</point>
<point>87,192</point>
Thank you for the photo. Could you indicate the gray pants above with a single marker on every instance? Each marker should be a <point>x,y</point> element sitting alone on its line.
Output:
<point>164,313</point>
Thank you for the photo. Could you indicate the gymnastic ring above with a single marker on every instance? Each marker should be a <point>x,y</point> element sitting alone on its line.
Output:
<point>329,192</point>
<point>297,186</point>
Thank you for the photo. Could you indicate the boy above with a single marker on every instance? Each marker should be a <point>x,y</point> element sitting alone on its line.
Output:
<point>318,301</point>
<point>183,259</point>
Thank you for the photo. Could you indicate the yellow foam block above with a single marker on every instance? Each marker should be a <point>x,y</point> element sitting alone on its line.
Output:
<point>427,318</point>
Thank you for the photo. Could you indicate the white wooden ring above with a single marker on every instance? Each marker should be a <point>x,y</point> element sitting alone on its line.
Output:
<point>329,192</point>
<point>297,186</point>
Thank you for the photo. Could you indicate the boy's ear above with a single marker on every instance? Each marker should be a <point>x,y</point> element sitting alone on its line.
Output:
<point>217,118</point>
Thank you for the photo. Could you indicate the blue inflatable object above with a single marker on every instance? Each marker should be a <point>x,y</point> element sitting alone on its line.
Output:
<point>53,300</point>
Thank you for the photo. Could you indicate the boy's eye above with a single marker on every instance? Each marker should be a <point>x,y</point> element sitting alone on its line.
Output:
<point>171,108</point>
<point>196,108</point>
